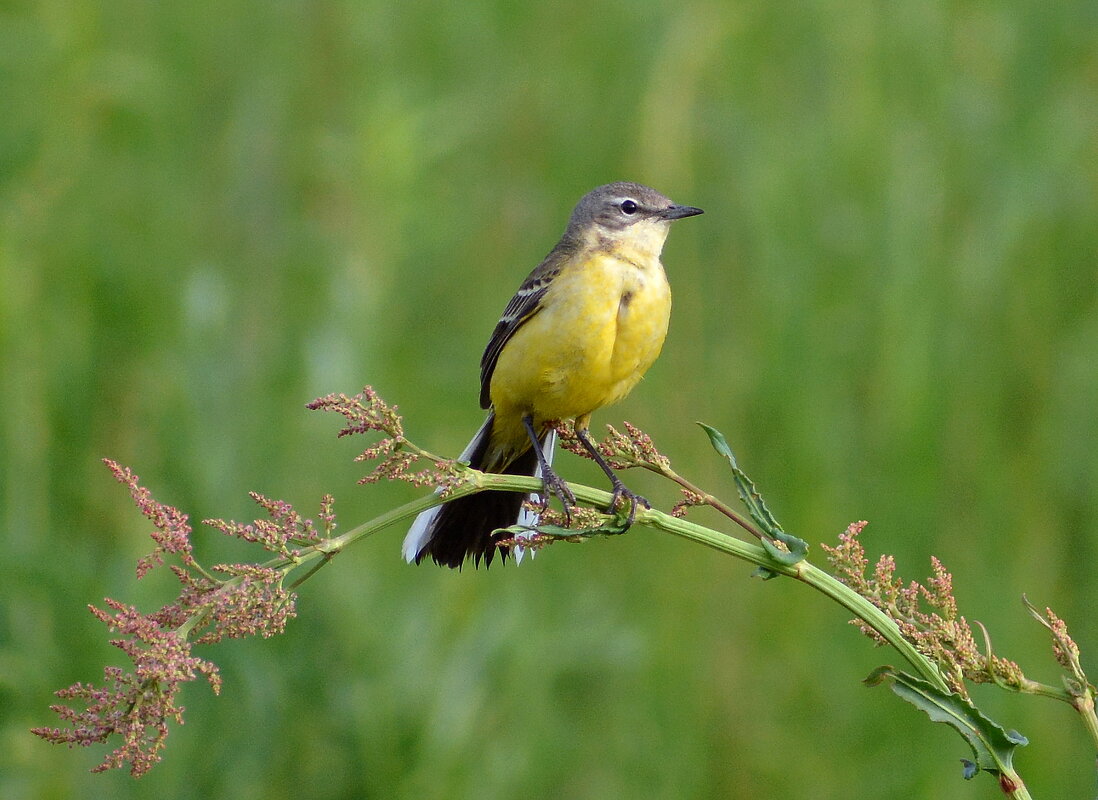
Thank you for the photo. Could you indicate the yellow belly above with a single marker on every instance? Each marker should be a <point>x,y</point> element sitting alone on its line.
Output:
<point>600,329</point>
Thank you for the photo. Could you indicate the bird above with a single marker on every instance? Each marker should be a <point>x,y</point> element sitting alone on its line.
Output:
<point>577,335</point>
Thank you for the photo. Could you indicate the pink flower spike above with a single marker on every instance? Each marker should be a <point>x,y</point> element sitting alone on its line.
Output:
<point>172,531</point>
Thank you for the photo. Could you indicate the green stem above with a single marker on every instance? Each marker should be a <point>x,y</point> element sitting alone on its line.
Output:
<point>1085,706</point>
<point>753,553</point>
<point>1042,690</point>
<point>710,500</point>
<point>746,551</point>
<point>1019,790</point>
<point>810,575</point>
<point>328,548</point>
<point>312,571</point>
<point>802,571</point>
<point>323,552</point>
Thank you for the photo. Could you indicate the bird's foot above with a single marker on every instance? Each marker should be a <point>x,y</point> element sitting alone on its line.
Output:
<point>620,492</point>
<point>555,486</point>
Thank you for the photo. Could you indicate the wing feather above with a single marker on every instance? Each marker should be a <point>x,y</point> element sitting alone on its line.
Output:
<point>525,303</point>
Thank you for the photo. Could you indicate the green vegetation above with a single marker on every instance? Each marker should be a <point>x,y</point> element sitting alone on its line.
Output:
<point>210,215</point>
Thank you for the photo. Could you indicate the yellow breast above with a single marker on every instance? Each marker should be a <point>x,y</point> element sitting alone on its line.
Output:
<point>602,324</point>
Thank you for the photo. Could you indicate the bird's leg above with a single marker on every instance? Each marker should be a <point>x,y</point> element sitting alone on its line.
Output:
<point>554,485</point>
<point>620,490</point>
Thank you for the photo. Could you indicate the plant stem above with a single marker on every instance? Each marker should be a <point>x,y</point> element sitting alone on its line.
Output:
<point>1012,786</point>
<point>746,551</point>
<point>803,571</point>
<point>710,500</point>
<point>755,554</point>
<point>810,575</point>
<point>328,548</point>
<point>1085,706</point>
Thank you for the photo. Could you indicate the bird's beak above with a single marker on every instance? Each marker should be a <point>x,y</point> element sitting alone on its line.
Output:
<point>678,212</point>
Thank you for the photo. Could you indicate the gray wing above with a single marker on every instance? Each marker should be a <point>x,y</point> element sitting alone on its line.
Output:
<point>524,305</point>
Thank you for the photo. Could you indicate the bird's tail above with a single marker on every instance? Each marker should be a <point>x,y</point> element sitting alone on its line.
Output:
<point>463,528</point>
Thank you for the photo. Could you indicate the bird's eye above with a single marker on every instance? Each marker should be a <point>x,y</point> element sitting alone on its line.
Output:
<point>628,207</point>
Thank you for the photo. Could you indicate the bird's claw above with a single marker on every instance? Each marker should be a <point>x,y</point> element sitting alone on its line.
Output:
<point>555,486</point>
<point>622,493</point>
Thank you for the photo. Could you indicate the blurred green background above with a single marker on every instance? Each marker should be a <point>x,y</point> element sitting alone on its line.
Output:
<point>211,214</point>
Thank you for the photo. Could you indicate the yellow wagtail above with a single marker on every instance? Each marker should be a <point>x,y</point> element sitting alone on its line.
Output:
<point>579,334</point>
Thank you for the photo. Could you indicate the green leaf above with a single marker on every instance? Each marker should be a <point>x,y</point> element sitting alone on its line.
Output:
<point>878,676</point>
<point>798,548</point>
<point>992,746</point>
<point>611,527</point>
<point>720,444</point>
<point>764,573</point>
<point>756,507</point>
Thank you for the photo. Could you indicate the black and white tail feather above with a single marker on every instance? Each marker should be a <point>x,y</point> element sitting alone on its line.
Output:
<point>463,528</point>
